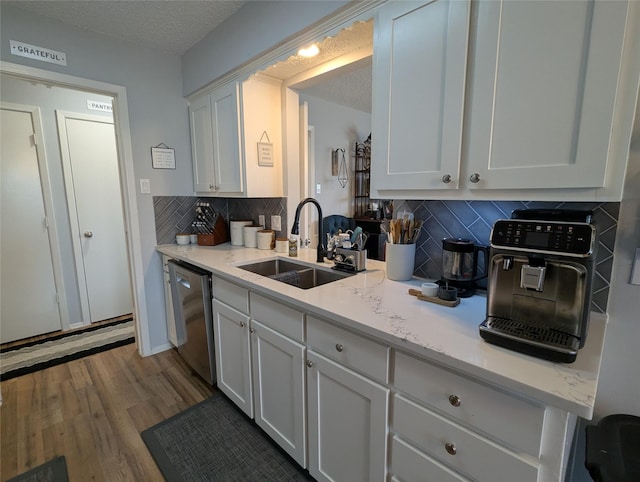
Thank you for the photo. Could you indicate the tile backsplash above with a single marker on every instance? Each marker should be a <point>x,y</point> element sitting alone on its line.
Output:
<point>174,214</point>
<point>442,219</point>
<point>473,220</point>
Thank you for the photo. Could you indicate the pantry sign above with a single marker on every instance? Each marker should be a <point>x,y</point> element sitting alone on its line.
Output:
<point>37,53</point>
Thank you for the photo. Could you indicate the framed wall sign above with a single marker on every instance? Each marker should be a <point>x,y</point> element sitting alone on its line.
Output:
<point>163,157</point>
<point>265,151</point>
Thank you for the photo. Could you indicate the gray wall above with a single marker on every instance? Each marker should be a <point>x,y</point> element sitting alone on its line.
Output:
<point>253,30</point>
<point>157,114</point>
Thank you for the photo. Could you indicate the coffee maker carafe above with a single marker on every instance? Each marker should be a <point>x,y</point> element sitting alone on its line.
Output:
<point>460,265</point>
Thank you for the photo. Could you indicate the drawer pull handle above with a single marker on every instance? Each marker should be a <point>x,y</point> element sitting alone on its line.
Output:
<point>339,347</point>
<point>309,363</point>
<point>455,401</point>
<point>450,448</point>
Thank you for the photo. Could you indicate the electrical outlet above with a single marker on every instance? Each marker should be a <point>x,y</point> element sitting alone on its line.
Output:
<point>276,223</point>
<point>261,221</point>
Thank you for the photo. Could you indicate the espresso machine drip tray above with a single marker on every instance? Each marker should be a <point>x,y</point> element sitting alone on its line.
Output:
<point>540,341</point>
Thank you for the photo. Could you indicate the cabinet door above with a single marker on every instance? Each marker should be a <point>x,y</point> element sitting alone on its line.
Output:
<point>543,84</point>
<point>233,362</point>
<point>278,389</point>
<point>202,144</point>
<point>225,120</point>
<point>420,58</point>
<point>168,303</point>
<point>347,423</point>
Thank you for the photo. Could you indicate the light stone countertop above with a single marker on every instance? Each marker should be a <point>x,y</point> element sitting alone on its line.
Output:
<point>374,305</point>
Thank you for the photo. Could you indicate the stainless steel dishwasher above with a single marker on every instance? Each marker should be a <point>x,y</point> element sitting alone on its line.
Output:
<point>191,292</point>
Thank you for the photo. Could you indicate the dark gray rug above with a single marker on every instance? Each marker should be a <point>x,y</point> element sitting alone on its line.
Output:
<point>214,440</point>
<point>55,470</point>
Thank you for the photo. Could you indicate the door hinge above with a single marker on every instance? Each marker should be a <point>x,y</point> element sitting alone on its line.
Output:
<point>33,140</point>
<point>57,299</point>
<point>45,222</point>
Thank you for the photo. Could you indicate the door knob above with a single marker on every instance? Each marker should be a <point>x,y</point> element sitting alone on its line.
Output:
<point>88,234</point>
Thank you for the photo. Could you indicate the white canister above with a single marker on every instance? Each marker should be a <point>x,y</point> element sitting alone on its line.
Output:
<point>400,261</point>
<point>282,245</point>
<point>251,236</point>
<point>237,233</point>
<point>266,239</point>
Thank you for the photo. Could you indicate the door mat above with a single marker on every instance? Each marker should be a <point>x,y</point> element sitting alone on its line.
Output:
<point>55,470</point>
<point>214,440</point>
<point>38,355</point>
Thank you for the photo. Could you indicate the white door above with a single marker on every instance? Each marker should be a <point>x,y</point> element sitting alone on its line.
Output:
<point>92,180</point>
<point>27,282</point>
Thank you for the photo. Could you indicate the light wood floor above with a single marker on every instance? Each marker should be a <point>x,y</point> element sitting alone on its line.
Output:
<point>92,411</point>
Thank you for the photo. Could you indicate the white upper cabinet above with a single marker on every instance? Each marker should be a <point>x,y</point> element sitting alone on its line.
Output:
<point>226,125</point>
<point>420,60</point>
<point>542,93</point>
<point>543,114</point>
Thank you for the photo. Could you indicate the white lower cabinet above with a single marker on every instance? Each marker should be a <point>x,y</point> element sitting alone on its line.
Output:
<point>347,421</point>
<point>233,359</point>
<point>278,389</point>
<point>168,303</point>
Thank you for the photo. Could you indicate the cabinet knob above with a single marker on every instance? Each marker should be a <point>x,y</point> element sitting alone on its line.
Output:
<point>475,178</point>
<point>309,363</point>
<point>211,186</point>
<point>339,347</point>
<point>88,234</point>
<point>446,178</point>
<point>252,330</point>
<point>242,324</point>
<point>455,401</point>
<point>450,448</point>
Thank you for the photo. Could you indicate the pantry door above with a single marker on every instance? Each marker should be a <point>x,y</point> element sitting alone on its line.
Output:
<point>94,198</point>
<point>27,281</point>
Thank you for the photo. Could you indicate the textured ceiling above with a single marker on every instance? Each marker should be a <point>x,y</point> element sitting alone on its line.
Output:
<point>171,26</point>
<point>177,25</point>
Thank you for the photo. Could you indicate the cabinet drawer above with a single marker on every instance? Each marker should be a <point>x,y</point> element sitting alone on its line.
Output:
<point>231,294</point>
<point>355,351</point>
<point>275,315</point>
<point>409,463</point>
<point>458,447</point>
<point>512,420</point>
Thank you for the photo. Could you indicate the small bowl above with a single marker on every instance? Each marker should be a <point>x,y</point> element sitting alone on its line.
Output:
<point>183,239</point>
<point>430,289</point>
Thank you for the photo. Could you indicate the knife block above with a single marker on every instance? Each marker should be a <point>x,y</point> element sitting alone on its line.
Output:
<point>220,234</point>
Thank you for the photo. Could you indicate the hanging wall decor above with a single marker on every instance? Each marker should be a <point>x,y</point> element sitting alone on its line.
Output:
<point>265,151</point>
<point>343,172</point>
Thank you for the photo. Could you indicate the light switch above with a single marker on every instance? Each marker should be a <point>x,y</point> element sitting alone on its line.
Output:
<point>145,186</point>
<point>635,269</point>
<point>261,220</point>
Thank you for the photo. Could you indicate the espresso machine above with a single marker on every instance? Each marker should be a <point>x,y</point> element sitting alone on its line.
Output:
<point>460,265</point>
<point>541,270</point>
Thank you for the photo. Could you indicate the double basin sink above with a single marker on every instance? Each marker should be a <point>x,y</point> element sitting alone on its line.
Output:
<point>294,273</point>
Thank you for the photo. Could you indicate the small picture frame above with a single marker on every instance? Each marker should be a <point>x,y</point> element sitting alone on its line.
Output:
<point>265,154</point>
<point>163,157</point>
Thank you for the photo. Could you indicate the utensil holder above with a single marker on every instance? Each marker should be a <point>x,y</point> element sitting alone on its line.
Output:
<point>400,261</point>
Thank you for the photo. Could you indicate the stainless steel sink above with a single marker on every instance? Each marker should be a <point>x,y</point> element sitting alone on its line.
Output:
<point>294,273</point>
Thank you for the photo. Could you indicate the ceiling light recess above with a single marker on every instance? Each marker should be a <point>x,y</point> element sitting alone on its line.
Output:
<point>310,51</point>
